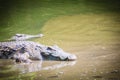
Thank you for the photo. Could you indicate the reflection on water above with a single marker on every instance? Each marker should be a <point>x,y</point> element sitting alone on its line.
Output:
<point>60,65</point>
<point>40,65</point>
<point>10,65</point>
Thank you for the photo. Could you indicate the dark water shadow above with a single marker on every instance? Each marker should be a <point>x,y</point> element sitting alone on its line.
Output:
<point>8,7</point>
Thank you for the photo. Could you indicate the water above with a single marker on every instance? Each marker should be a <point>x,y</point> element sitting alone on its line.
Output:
<point>89,30</point>
<point>96,46</point>
<point>9,68</point>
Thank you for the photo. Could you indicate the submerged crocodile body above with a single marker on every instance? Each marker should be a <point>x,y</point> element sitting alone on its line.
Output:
<point>20,37</point>
<point>25,51</point>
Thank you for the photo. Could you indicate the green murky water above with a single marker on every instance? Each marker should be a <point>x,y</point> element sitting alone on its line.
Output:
<point>88,29</point>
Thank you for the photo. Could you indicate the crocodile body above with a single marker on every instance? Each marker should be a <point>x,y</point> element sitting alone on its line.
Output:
<point>26,51</point>
<point>20,37</point>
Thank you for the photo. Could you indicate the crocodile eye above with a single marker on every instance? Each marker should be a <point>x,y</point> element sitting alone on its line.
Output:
<point>48,48</point>
<point>35,48</point>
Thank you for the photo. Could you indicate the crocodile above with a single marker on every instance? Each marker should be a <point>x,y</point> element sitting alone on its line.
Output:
<point>19,37</point>
<point>26,51</point>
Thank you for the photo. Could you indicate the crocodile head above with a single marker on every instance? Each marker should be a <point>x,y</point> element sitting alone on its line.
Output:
<point>56,53</point>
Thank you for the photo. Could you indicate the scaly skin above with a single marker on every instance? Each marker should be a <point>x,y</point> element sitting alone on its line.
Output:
<point>24,51</point>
